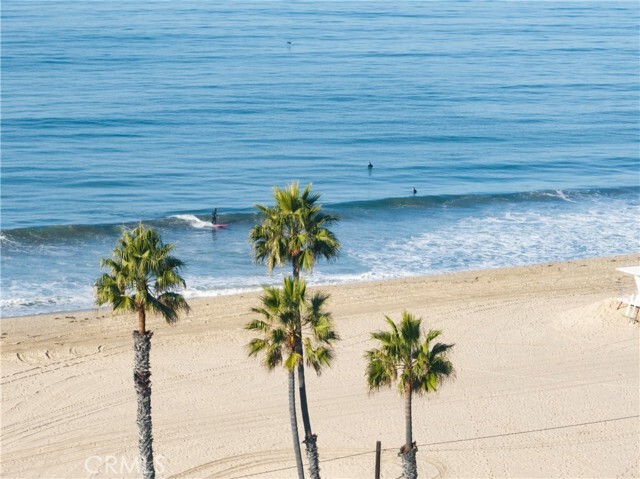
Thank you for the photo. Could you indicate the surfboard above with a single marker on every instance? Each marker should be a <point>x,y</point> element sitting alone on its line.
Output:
<point>219,225</point>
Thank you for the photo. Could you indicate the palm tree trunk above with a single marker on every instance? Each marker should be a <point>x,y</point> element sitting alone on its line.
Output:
<point>294,423</point>
<point>311,448</point>
<point>142,321</point>
<point>296,269</point>
<point>408,451</point>
<point>408,425</point>
<point>309,437</point>
<point>141,375</point>
<point>409,466</point>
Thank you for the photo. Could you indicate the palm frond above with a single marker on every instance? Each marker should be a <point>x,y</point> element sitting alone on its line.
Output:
<point>123,304</point>
<point>440,348</point>
<point>317,357</point>
<point>292,361</point>
<point>258,325</point>
<point>431,335</point>
<point>107,289</point>
<point>381,370</point>
<point>173,304</point>
<point>280,336</point>
<point>410,328</point>
<point>273,356</point>
<point>257,345</point>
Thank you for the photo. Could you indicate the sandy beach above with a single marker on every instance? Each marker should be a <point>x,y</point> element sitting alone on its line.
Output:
<point>547,385</point>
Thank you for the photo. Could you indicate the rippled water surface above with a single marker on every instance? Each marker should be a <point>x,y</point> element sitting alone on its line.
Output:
<point>517,123</point>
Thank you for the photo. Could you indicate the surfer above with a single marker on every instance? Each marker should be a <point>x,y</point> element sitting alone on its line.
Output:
<point>370,166</point>
<point>414,191</point>
<point>214,216</point>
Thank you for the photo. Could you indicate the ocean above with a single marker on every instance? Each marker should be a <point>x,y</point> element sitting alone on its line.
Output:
<point>515,121</point>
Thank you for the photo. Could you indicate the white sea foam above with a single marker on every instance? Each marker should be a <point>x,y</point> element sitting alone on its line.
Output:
<point>514,237</point>
<point>557,194</point>
<point>37,304</point>
<point>5,240</point>
<point>193,221</point>
<point>222,286</point>
<point>26,298</point>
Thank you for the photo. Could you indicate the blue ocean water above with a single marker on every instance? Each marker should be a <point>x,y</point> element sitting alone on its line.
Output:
<point>517,123</point>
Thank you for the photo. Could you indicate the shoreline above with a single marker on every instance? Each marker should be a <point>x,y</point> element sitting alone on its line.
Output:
<point>540,351</point>
<point>630,257</point>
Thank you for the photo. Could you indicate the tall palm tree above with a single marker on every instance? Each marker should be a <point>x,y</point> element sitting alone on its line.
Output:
<point>141,277</point>
<point>281,332</point>
<point>418,367</point>
<point>295,230</point>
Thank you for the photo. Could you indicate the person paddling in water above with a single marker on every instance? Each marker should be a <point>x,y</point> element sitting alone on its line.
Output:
<point>214,216</point>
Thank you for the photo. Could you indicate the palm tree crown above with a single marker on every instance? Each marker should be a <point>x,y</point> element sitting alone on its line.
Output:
<point>142,274</point>
<point>402,356</point>
<point>282,310</point>
<point>293,230</point>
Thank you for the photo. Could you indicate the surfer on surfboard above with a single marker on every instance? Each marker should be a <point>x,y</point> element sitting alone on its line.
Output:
<point>214,220</point>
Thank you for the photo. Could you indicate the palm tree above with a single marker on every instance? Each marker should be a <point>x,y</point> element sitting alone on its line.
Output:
<point>281,332</point>
<point>415,364</point>
<point>142,275</point>
<point>295,230</point>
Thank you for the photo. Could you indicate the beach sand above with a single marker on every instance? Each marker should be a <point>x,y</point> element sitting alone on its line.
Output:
<point>547,385</point>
